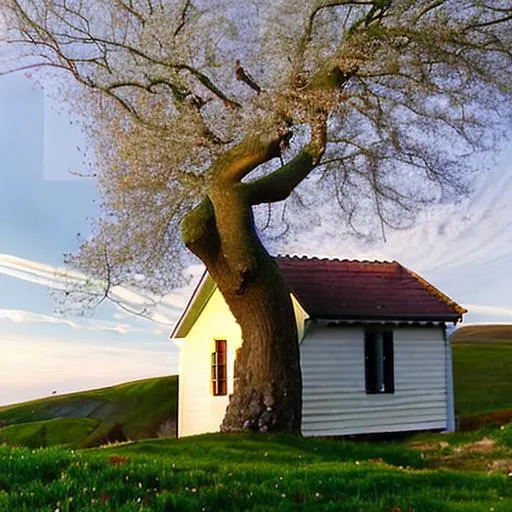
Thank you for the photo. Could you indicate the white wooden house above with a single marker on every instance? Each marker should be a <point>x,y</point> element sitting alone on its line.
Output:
<point>374,353</point>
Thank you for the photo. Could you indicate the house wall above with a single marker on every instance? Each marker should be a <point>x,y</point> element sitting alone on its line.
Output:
<point>333,373</point>
<point>200,411</point>
<point>332,358</point>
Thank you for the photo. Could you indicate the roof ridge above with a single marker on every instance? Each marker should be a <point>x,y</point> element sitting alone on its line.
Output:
<point>436,292</point>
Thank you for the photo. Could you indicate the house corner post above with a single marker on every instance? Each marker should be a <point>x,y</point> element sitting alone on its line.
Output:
<point>450,402</point>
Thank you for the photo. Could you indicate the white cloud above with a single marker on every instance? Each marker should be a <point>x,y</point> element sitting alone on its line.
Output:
<point>21,316</point>
<point>38,273</point>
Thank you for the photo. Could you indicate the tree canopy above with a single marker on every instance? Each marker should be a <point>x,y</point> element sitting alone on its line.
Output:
<point>397,93</point>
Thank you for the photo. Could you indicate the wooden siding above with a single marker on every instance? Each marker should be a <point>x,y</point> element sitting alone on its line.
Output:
<point>333,373</point>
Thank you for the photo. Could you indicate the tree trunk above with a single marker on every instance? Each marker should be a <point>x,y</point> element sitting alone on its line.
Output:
<point>267,394</point>
<point>267,378</point>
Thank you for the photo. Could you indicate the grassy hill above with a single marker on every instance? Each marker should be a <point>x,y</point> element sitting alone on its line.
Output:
<point>482,369</point>
<point>499,333</point>
<point>135,410</point>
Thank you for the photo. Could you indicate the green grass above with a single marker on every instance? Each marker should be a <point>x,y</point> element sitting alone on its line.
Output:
<point>482,380</point>
<point>242,473</point>
<point>69,432</point>
<point>134,410</point>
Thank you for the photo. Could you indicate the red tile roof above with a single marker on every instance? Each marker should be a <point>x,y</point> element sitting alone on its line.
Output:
<point>343,289</point>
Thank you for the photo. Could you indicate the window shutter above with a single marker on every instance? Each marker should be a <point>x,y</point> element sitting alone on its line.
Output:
<point>370,361</point>
<point>389,362</point>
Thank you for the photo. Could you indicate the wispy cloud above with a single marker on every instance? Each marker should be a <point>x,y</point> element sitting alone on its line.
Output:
<point>164,311</point>
<point>445,238</point>
<point>21,316</point>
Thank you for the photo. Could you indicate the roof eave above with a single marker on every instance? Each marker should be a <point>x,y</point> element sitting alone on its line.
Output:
<point>390,318</point>
<point>196,304</point>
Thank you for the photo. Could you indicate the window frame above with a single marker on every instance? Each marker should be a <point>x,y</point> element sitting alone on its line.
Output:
<point>219,377</point>
<point>379,361</point>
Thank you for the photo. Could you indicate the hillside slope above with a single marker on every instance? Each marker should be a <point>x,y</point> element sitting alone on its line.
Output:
<point>134,410</point>
<point>482,363</point>
<point>488,333</point>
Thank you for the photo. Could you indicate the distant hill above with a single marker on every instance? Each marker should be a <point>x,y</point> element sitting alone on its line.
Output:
<point>482,367</point>
<point>130,411</point>
<point>499,333</point>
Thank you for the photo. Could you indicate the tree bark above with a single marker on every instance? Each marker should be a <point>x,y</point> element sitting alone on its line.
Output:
<point>267,378</point>
<point>267,394</point>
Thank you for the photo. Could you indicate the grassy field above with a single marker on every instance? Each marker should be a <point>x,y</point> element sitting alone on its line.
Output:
<point>482,367</point>
<point>135,410</point>
<point>253,473</point>
<point>464,471</point>
<point>482,377</point>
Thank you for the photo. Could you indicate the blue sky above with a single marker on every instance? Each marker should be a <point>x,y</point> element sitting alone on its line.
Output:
<point>465,250</point>
<point>42,208</point>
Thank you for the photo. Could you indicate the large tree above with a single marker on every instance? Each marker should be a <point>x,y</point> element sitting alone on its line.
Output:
<point>200,110</point>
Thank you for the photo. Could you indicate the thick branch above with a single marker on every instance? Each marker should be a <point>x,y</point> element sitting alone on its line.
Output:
<point>252,152</point>
<point>279,185</point>
<point>332,76</point>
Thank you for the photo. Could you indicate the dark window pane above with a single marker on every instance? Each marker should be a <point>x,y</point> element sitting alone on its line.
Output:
<point>370,361</point>
<point>389,363</point>
<point>379,362</point>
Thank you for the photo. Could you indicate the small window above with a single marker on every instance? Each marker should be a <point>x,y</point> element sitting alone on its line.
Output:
<point>219,371</point>
<point>379,362</point>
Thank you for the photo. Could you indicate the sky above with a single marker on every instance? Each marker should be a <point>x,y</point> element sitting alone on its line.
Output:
<point>42,208</point>
<point>464,249</point>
